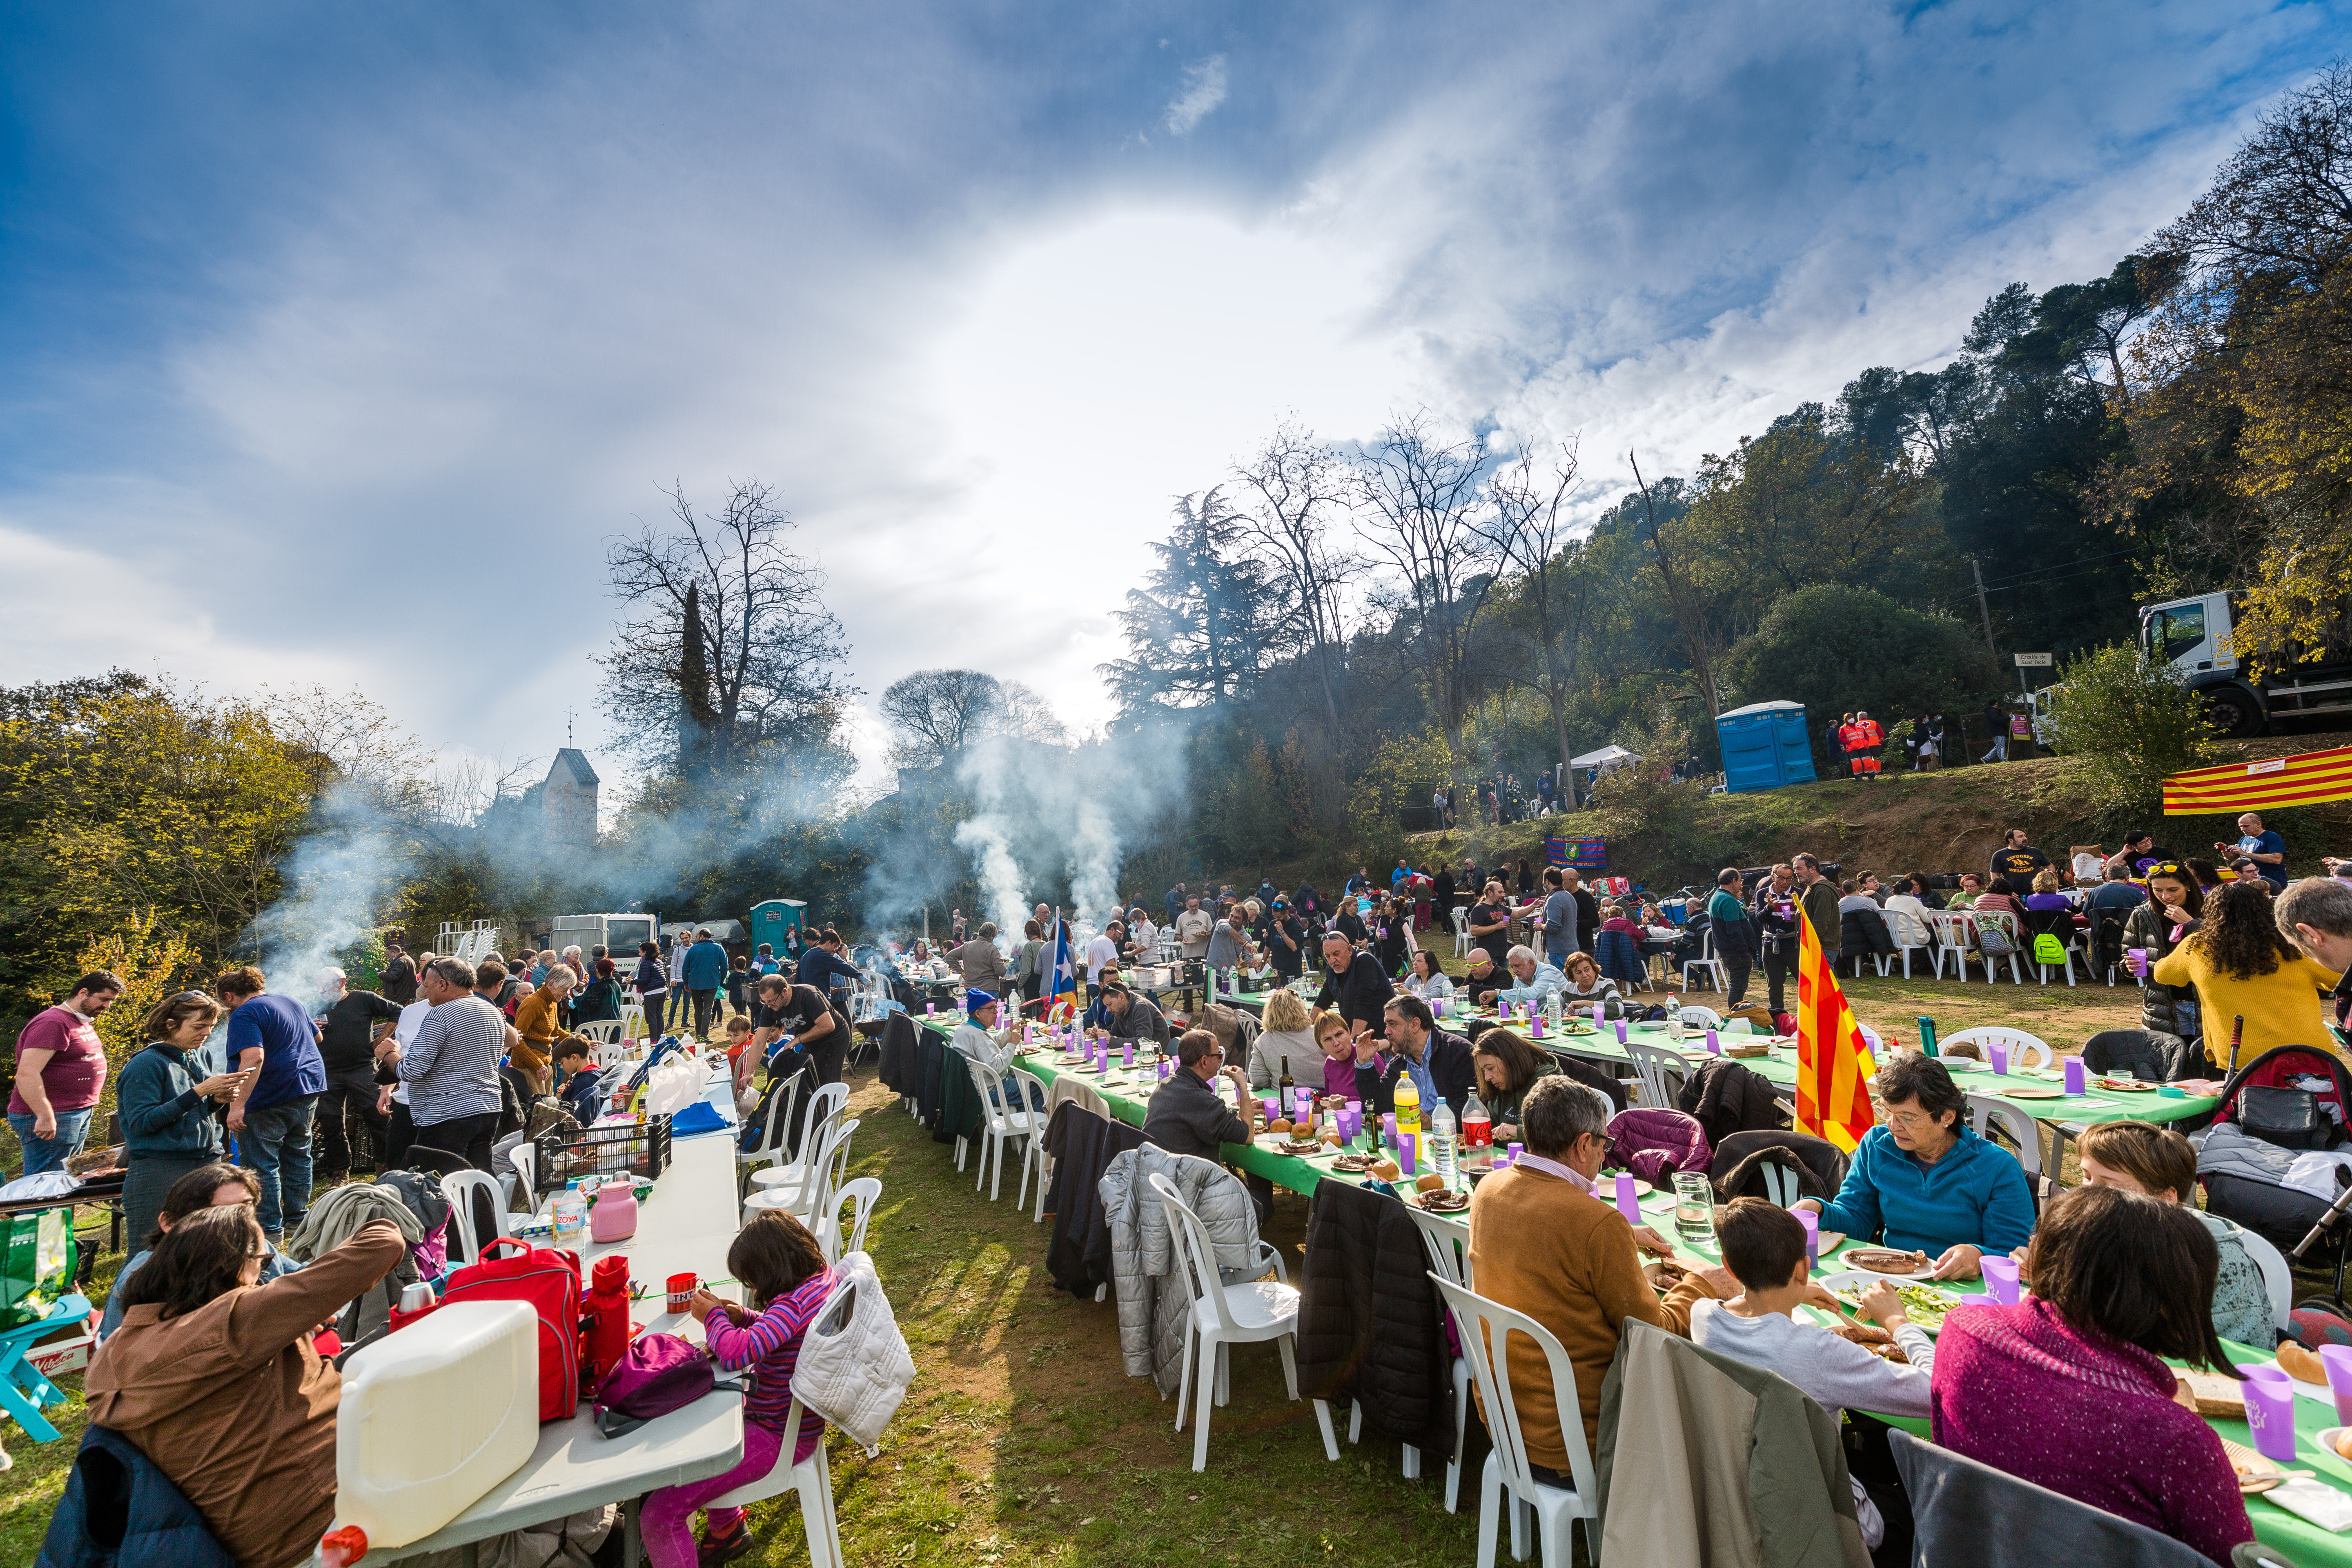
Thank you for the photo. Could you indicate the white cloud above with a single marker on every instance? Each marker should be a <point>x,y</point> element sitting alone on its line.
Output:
<point>1204,89</point>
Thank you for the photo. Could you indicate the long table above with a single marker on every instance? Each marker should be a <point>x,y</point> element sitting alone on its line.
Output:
<point>684,1226</point>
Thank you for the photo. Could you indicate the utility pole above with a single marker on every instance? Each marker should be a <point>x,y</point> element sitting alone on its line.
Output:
<point>1978,573</point>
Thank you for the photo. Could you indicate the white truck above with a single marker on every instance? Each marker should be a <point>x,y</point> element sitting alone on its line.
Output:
<point>618,935</point>
<point>2192,634</point>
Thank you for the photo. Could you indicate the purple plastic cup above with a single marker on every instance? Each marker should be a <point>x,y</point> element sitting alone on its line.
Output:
<point>2339,1378</point>
<point>1629,1198</point>
<point>2270,1411</point>
<point>1405,1142</point>
<point>2137,956</point>
<point>1813,1224</point>
<point>1600,1012</point>
<point>1620,1031</point>
<point>1511,1154</point>
<point>1999,1278</point>
<point>1126,1055</point>
<point>930,1009</point>
<point>2000,1054</point>
<point>1713,1044</point>
<point>1388,1125</point>
<point>1163,1069</point>
<point>2077,1080</point>
<point>1356,1109</point>
<point>1273,1104</point>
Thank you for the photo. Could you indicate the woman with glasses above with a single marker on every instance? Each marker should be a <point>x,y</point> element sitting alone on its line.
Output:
<point>214,1376</point>
<point>167,1109</point>
<point>1923,1181</point>
<point>2175,904</point>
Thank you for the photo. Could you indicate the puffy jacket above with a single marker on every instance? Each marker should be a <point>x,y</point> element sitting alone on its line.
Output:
<point>1654,1143</point>
<point>1370,1325</point>
<point>119,1508</point>
<point>1865,932</point>
<point>1154,1305</point>
<point>2166,1009</point>
<point>1726,1096</point>
<point>1740,1158</point>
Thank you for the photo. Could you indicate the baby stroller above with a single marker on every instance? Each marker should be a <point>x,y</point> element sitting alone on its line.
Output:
<point>2285,1110</point>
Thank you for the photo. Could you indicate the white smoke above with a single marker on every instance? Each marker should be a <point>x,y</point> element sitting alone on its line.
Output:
<point>1002,883</point>
<point>336,878</point>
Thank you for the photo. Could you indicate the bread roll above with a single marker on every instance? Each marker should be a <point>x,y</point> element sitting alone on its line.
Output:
<point>1387,1170</point>
<point>2300,1364</point>
<point>1430,1182</point>
<point>1280,1124</point>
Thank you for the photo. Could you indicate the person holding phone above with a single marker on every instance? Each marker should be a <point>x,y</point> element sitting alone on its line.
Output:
<point>169,1113</point>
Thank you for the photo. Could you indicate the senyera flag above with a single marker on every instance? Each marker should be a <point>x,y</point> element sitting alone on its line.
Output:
<point>2309,778</point>
<point>1834,1062</point>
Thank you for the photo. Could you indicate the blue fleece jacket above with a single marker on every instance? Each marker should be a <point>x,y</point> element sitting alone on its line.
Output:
<point>1976,1193</point>
<point>705,967</point>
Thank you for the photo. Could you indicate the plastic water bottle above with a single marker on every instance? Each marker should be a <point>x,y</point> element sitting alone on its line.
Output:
<point>1442,1141</point>
<point>571,1212</point>
<point>1674,1017</point>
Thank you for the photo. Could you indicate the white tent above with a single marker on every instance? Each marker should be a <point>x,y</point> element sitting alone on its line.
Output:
<point>1606,758</point>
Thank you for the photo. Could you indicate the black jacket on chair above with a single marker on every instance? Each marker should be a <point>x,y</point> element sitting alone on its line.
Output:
<point>1862,932</point>
<point>1725,1097</point>
<point>1082,1146</point>
<point>1820,1165</point>
<point>1368,1323</point>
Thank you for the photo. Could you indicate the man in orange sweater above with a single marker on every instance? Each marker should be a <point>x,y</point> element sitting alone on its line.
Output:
<point>1542,1243</point>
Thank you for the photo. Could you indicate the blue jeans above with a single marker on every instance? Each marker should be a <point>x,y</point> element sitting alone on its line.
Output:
<point>1557,956</point>
<point>51,1154</point>
<point>277,1142</point>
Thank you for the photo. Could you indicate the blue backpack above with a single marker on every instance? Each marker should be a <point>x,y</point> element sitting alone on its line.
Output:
<point>121,1512</point>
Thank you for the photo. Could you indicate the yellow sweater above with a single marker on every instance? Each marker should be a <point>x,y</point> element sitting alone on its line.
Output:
<point>535,1021</point>
<point>2281,1008</point>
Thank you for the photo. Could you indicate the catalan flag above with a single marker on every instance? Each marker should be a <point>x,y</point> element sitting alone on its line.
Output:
<point>2306,779</point>
<point>1833,1064</point>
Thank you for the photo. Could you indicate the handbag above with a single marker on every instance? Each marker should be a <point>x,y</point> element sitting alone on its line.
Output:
<point>656,1375</point>
<point>2288,1117</point>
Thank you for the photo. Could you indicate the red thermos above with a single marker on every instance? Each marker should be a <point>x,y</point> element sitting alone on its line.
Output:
<point>603,1319</point>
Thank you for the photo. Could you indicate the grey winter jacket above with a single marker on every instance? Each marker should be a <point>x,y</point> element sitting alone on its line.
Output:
<point>1153,1299</point>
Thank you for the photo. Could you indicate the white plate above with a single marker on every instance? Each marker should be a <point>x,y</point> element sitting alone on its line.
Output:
<point>1852,1281</point>
<point>2326,1440</point>
<point>2319,1391</point>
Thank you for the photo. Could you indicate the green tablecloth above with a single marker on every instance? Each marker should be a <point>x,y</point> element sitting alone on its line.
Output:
<point>2098,1105</point>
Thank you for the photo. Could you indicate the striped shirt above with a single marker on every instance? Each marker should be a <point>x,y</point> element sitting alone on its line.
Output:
<point>771,1346</point>
<point>452,1071</point>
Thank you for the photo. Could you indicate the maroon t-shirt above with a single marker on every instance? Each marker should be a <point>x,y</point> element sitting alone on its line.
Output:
<point>73,1077</point>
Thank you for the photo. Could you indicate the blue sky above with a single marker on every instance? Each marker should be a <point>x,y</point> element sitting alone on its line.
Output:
<point>334,343</point>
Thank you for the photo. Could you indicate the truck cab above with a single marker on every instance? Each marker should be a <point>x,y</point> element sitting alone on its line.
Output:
<point>2193,635</point>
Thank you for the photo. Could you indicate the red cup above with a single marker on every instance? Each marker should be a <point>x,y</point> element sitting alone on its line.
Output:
<point>681,1290</point>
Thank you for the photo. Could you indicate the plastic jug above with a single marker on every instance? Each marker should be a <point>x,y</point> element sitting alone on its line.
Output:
<point>430,1421</point>
<point>615,1218</point>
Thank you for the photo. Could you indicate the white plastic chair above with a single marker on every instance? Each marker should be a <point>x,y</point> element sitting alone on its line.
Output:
<point>814,1195</point>
<point>1986,1113</point>
<point>1911,934</point>
<point>1697,1017</point>
<point>603,1031</point>
<point>2278,1278</point>
<point>1706,963</point>
<point>1442,1240</point>
<point>1955,935</point>
<point>813,1479</point>
<point>1651,1065</point>
<point>825,1109</point>
<point>1225,1315</point>
<point>998,1124</point>
<point>461,1187</point>
<point>860,1195</point>
<point>2024,1050</point>
<point>524,1157</point>
<point>633,1020</point>
<point>770,1152</point>
<point>1461,931</point>
<point>1486,1327</point>
<point>1033,1094</point>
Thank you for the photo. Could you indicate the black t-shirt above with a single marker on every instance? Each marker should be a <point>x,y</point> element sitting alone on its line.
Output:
<point>1485,914</point>
<point>2019,865</point>
<point>1287,959</point>
<point>802,1008</point>
<point>1359,993</point>
<point>349,1040</point>
<point>1350,923</point>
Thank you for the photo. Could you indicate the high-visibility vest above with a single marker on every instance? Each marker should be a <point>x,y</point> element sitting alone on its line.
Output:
<point>1868,733</point>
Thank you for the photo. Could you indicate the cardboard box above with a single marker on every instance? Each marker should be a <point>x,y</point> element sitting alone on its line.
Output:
<point>65,1348</point>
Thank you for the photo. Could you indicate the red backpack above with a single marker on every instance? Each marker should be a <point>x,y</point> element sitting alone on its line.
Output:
<point>547,1281</point>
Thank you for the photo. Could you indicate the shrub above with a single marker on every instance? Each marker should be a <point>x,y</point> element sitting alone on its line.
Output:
<point>2122,721</point>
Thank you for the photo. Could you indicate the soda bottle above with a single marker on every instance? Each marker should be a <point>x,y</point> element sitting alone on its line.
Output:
<point>1477,1128</point>
<point>1408,1106</point>
<point>1442,1141</point>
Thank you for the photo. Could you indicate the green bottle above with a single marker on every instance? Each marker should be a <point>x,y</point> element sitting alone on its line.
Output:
<point>1927,1034</point>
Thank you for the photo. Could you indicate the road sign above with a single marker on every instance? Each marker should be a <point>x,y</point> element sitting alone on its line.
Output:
<point>2033,661</point>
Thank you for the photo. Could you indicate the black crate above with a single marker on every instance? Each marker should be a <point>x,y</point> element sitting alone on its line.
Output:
<point>624,1149</point>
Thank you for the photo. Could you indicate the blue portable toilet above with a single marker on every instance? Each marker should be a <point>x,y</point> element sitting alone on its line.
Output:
<point>772,919</point>
<point>1765,746</point>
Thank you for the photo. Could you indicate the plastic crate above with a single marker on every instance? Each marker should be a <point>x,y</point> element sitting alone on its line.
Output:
<point>625,1148</point>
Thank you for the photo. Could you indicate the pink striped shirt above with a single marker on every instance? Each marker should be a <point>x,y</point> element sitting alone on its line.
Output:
<point>771,1345</point>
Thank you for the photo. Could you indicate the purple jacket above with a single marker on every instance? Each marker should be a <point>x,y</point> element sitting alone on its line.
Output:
<point>1655,1143</point>
<point>2021,1389</point>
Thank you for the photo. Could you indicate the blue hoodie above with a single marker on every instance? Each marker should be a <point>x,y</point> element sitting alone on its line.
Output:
<point>705,968</point>
<point>1976,1193</point>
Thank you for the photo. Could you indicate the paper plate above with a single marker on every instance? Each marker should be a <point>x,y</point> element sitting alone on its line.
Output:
<point>2256,1472</point>
<point>2032,1092</point>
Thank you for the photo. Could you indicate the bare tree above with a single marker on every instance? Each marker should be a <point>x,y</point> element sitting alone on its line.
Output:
<point>937,715</point>
<point>1528,523</point>
<point>1679,596</point>
<point>1292,491</point>
<point>769,653</point>
<point>1423,511</point>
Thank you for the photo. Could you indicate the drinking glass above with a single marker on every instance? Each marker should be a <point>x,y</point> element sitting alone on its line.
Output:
<point>1694,1206</point>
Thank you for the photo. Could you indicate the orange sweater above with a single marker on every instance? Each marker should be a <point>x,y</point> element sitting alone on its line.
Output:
<point>1543,1247</point>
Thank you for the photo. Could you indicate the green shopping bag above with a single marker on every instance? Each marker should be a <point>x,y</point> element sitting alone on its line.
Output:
<point>38,1266</point>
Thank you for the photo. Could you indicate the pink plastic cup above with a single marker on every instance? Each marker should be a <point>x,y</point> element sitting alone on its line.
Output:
<point>2337,1360</point>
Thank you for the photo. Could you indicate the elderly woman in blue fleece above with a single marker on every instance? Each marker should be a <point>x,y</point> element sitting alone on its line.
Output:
<point>1927,1180</point>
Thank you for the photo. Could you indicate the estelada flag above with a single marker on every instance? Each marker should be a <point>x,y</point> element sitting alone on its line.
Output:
<point>2268,785</point>
<point>1057,992</point>
<point>1834,1062</point>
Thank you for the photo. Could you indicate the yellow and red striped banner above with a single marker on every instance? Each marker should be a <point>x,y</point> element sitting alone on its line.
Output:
<point>2306,779</point>
<point>1833,1061</point>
